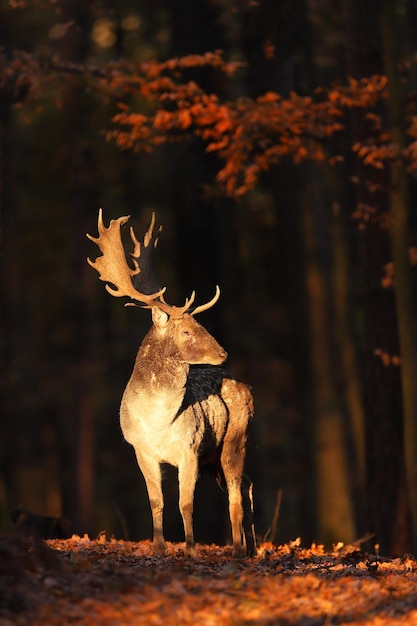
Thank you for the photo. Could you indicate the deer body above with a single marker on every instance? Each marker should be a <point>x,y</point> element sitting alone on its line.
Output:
<point>181,407</point>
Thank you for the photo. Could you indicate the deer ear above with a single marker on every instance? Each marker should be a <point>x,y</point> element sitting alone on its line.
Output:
<point>159,318</point>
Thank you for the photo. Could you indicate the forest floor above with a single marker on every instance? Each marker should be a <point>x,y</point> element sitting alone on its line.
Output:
<point>119,583</point>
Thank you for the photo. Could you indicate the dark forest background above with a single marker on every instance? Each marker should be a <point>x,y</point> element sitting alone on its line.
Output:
<point>316,264</point>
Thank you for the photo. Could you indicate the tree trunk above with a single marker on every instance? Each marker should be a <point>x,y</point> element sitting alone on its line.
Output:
<point>351,386</point>
<point>78,410</point>
<point>400,239</point>
<point>381,390</point>
<point>335,515</point>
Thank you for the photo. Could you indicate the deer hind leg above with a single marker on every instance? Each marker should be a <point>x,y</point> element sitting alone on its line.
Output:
<point>187,478</point>
<point>151,471</point>
<point>248,517</point>
<point>241,515</point>
<point>232,459</point>
<point>239,401</point>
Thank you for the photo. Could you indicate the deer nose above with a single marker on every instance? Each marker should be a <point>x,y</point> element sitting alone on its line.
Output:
<point>223,355</point>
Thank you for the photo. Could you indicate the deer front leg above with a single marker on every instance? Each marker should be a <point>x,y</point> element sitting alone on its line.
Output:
<point>151,471</point>
<point>187,478</point>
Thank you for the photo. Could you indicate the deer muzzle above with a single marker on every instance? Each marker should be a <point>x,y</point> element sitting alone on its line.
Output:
<point>223,355</point>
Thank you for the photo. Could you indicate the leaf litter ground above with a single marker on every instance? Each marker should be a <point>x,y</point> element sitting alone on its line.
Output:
<point>85,582</point>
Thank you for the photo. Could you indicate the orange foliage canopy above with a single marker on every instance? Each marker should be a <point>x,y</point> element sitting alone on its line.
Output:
<point>163,102</point>
<point>249,135</point>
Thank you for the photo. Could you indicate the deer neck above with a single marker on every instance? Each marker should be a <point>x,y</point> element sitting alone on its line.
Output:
<point>160,376</point>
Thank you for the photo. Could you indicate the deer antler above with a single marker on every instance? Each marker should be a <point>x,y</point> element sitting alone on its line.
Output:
<point>114,269</point>
<point>112,265</point>
<point>208,305</point>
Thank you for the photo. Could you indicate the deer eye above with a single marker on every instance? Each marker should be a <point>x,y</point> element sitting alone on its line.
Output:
<point>185,333</point>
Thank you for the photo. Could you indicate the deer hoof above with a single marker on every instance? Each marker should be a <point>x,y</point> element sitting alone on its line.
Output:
<point>158,549</point>
<point>191,551</point>
<point>239,553</point>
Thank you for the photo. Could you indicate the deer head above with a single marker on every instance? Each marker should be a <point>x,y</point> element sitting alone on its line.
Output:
<point>191,341</point>
<point>120,277</point>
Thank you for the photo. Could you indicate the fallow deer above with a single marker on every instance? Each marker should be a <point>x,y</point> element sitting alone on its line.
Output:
<point>179,407</point>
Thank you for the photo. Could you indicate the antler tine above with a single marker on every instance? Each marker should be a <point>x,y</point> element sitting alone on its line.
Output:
<point>172,310</point>
<point>180,310</point>
<point>208,305</point>
<point>146,280</point>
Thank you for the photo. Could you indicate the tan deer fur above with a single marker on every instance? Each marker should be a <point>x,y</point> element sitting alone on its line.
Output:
<point>182,408</point>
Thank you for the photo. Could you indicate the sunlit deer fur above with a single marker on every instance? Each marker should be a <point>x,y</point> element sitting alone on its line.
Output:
<point>180,407</point>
